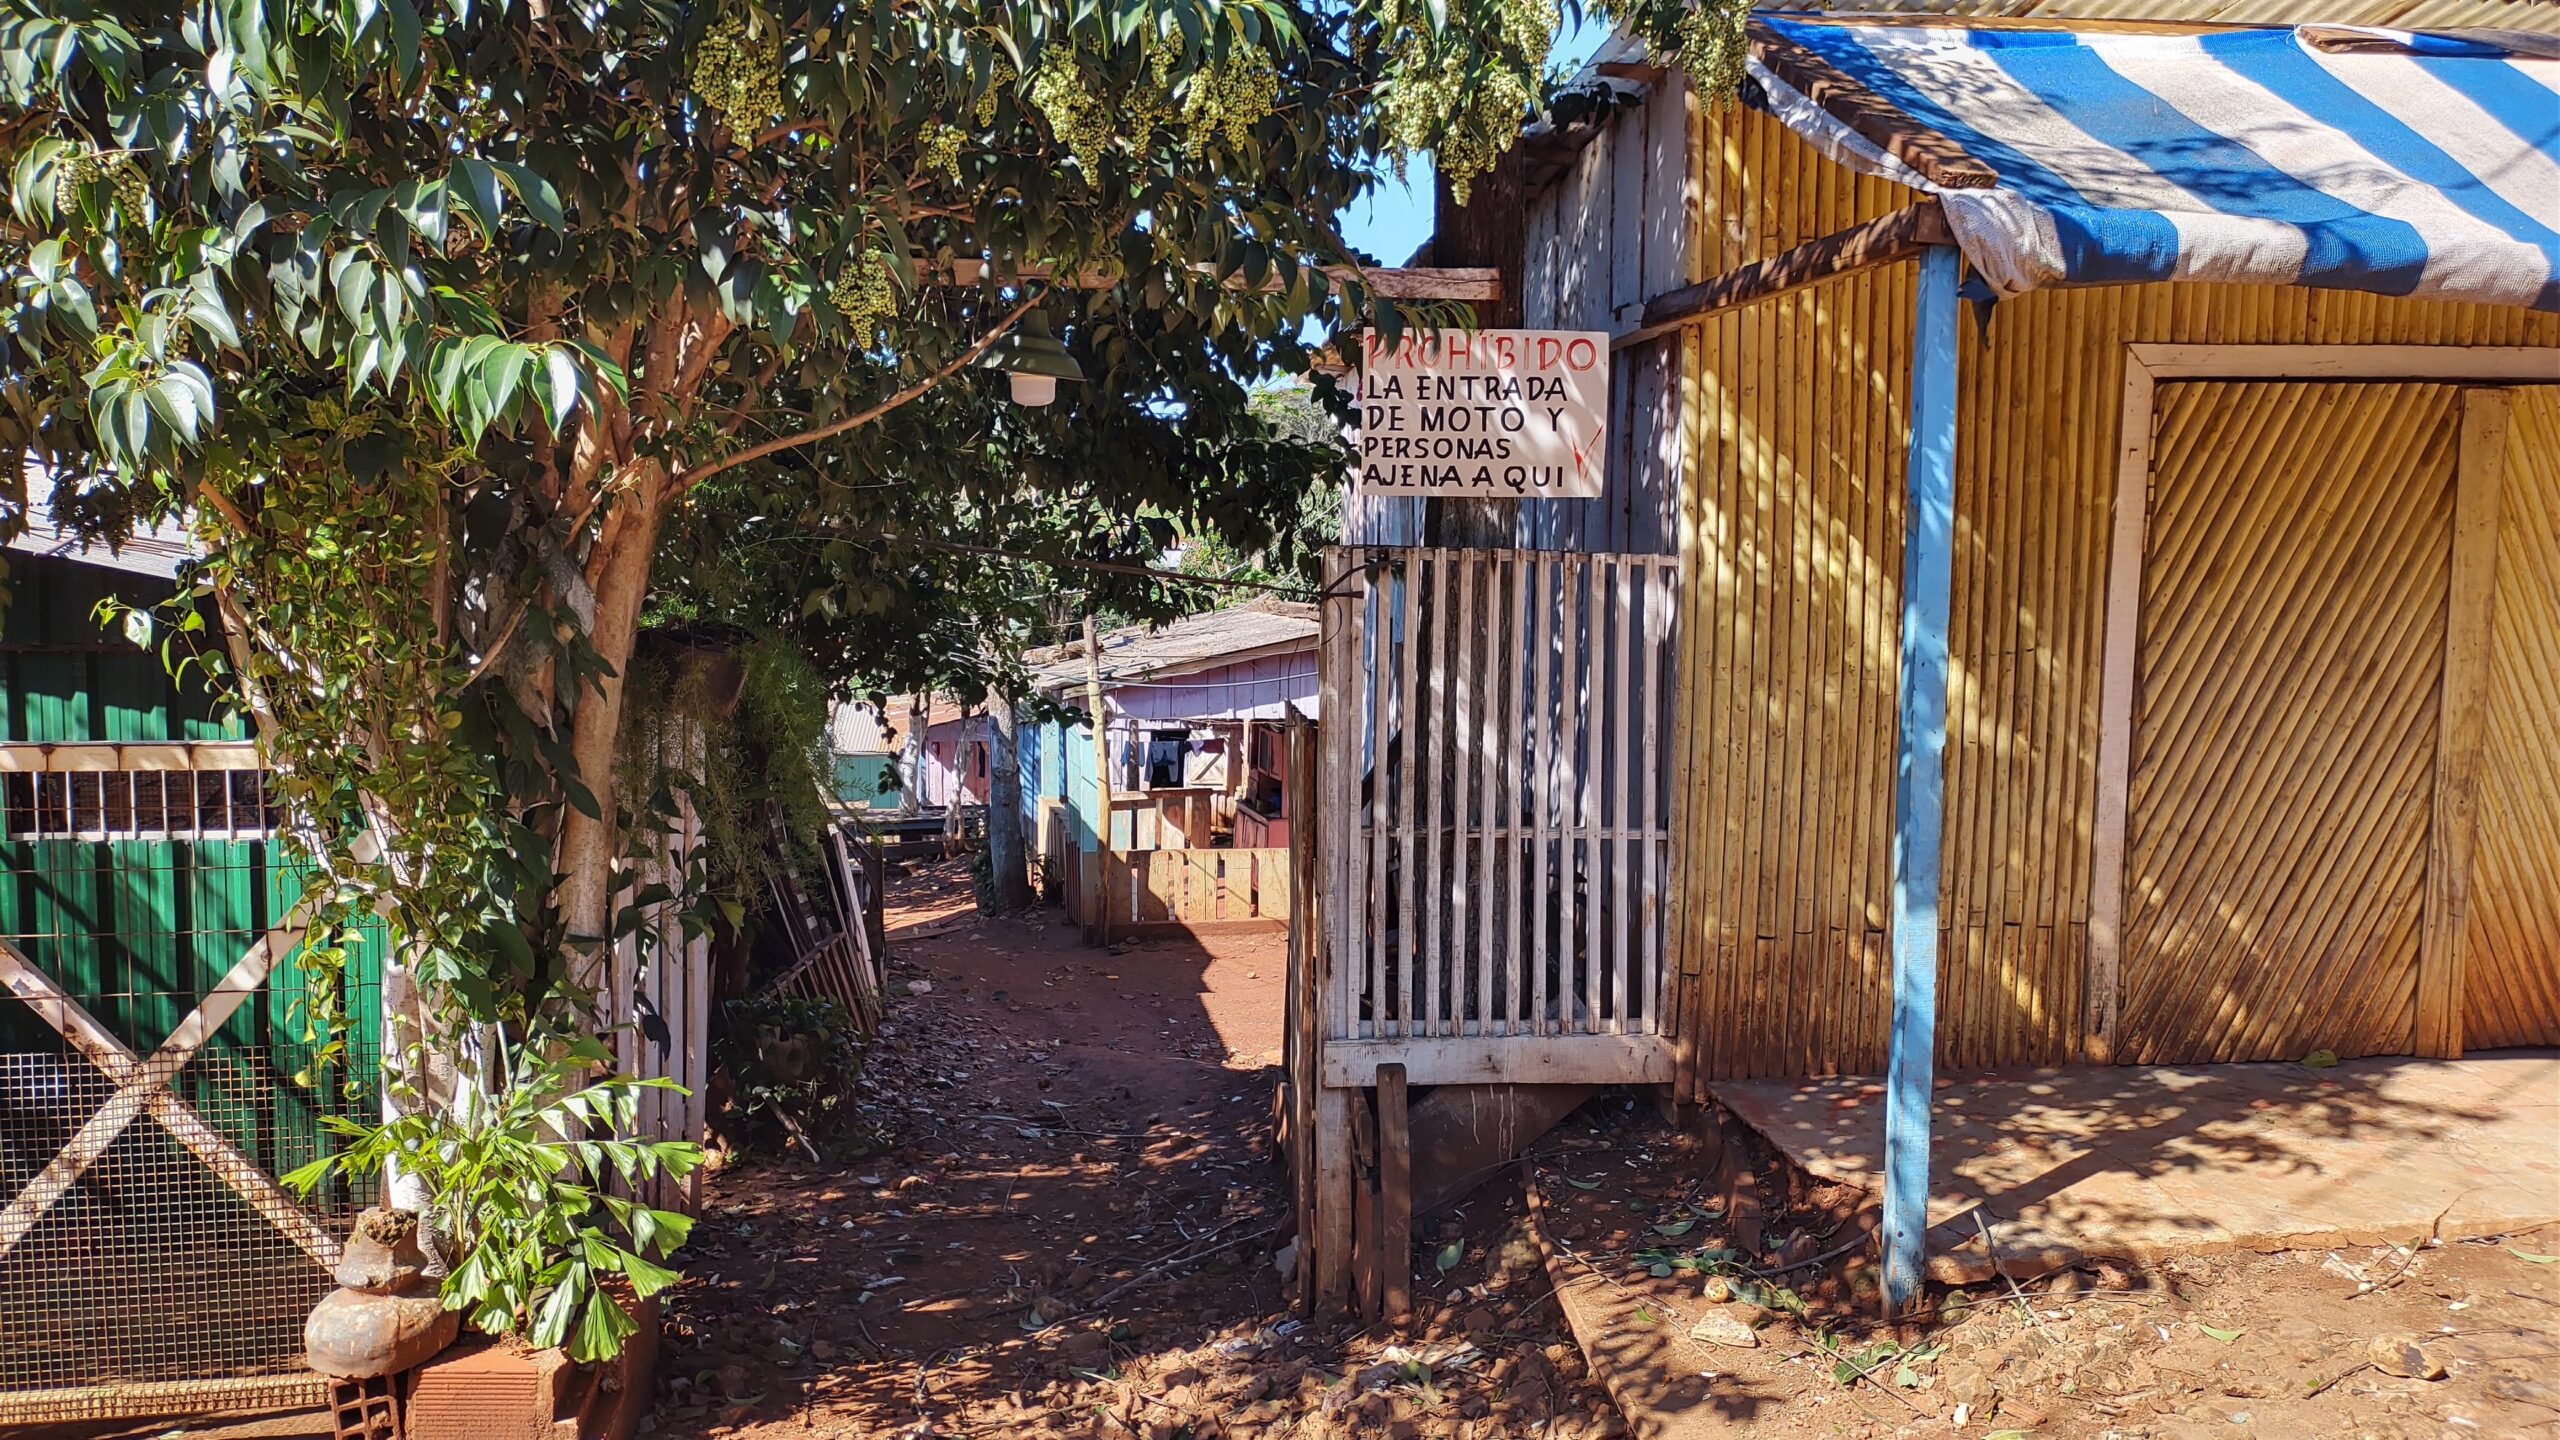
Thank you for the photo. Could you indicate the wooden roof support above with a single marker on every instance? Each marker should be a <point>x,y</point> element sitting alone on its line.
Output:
<point>1919,794</point>
<point>1641,72</point>
<point>1938,159</point>
<point>1478,284</point>
<point>1881,241</point>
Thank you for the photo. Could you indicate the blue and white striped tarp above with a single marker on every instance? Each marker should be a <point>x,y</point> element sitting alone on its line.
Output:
<point>2403,165</point>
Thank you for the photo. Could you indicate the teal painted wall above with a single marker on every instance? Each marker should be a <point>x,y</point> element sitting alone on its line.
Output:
<point>860,780</point>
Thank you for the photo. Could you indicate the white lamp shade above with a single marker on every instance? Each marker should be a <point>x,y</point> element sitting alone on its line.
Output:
<point>1032,390</point>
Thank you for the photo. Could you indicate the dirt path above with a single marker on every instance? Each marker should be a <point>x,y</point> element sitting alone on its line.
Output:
<point>1701,1335</point>
<point>1072,1230</point>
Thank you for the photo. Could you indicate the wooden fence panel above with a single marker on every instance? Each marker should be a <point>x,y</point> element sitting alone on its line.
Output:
<point>1196,887</point>
<point>1504,831</point>
<point>662,971</point>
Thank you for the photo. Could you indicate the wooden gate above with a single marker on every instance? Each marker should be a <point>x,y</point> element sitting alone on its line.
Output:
<point>1496,818</point>
<point>156,1076</point>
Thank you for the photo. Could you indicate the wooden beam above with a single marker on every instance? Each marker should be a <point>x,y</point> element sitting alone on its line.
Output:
<point>1939,160</point>
<point>1881,241</point>
<point>1330,1245</point>
<point>1474,283</point>
<point>1480,284</point>
<point>2463,708</point>
<point>1642,72</point>
<point>1919,798</point>
<point>1364,1210</point>
<point>2532,364</point>
<point>1504,1060</point>
<point>2116,666</point>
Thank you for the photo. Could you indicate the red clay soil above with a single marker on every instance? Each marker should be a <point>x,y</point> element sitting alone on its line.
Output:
<point>1072,1232</point>
<point>2337,1344</point>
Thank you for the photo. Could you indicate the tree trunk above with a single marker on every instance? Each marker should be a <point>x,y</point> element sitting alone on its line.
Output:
<point>1004,807</point>
<point>620,575</point>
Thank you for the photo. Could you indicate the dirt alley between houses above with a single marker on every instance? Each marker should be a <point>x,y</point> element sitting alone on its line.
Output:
<point>1070,1227</point>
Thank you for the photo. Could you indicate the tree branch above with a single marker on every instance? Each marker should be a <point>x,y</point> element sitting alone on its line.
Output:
<point>688,478</point>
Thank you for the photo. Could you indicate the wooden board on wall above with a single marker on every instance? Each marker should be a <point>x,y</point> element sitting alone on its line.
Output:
<point>2295,589</point>
<point>1791,529</point>
<point>2511,967</point>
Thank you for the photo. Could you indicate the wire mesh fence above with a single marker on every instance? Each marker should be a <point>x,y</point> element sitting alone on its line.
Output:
<point>156,1076</point>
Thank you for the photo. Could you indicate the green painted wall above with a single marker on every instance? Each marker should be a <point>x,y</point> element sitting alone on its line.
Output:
<point>138,931</point>
<point>64,677</point>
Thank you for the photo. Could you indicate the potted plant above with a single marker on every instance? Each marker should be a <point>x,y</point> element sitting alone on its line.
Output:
<point>521,1177</point>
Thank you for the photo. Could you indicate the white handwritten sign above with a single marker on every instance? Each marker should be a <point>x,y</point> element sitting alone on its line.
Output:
<point>1484,414</point>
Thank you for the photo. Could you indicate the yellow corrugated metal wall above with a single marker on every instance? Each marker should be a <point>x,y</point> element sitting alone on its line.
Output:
<point>2511,967</point>
<point>1791,530</point>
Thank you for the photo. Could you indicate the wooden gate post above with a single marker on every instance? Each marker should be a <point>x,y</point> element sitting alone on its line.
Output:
<point>1920,778</point>
<point>1395,1197</point>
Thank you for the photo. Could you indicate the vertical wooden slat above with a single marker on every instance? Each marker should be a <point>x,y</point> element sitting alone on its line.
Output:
<point>1573,777</point>
<point>2478,484</point>
<point>1464,877</point>
<point>1501,815</point>
<point>2115,711</point>
<point>1540,762</point>
<point>1622,658</point>
<point>1428,734</point>
<point>1654,638</point>
<point>1386,585</point>
<point>1417,578</point>
<point>1337,811</point>
<point>1514,803</point>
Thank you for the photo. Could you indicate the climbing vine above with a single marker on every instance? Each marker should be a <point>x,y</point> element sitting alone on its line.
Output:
<point>740,735</point>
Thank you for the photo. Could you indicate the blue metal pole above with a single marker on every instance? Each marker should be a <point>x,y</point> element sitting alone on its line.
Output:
<point>1919,773</point>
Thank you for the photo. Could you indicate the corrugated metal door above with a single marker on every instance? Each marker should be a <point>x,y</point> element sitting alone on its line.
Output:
<point>2295,591</point>
<point>2511,963</point>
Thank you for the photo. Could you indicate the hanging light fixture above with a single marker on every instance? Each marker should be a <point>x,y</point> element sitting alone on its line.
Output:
<point>1032,360</point>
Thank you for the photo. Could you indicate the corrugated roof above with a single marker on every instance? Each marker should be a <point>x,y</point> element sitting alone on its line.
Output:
<point>1194,642</point>
<point>939,710</point>
<point>156,551</point>
<point>2413,14</point>
<point>855,729</point>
